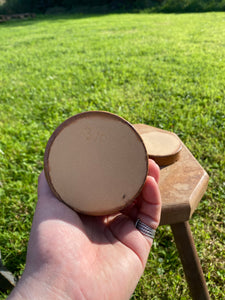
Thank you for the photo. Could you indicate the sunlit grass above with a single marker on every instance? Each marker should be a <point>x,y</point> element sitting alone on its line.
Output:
<point>163,70</point>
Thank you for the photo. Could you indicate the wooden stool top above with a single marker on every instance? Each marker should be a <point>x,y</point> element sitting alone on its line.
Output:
<point>182,184</point>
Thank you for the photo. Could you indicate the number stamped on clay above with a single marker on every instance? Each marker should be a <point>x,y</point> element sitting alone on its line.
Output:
<point>93,135</point>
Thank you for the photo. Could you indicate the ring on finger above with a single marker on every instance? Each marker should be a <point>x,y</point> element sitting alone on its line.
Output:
<point>145,229</point>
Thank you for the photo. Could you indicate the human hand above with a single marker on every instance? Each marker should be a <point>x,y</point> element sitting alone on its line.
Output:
<point>74,256</point>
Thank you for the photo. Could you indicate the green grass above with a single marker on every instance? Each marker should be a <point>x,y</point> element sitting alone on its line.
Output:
<point>164,70</point>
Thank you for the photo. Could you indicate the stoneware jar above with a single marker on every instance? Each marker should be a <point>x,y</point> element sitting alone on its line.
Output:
<point>96,162</point>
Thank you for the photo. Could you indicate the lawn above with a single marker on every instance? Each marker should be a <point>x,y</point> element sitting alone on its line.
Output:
<point>165,70</point>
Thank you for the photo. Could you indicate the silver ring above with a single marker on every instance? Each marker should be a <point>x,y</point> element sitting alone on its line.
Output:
<point>145,229</point>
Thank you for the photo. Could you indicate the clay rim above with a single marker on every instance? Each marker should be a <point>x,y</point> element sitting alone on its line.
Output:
<point>73,119</point>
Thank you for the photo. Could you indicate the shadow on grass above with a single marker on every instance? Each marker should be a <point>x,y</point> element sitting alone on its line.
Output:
<point>51,18</point>
<point>89,12</point>
<point>80,12</point>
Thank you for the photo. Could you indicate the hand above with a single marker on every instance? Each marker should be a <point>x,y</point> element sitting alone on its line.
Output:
<point>73,256</point>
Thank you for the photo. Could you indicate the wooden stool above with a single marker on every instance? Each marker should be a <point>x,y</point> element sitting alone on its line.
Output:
<point>182,185</point>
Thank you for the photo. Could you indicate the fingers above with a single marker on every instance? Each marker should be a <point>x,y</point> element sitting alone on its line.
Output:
<point>123,230</point>
<point>133,209</point>
<point>153,170</point>
<point>150,204</point>
<point>148,211</point>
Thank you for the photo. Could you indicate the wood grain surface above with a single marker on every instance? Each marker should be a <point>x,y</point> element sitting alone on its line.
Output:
<point>182,184</point>
<point>162,146</point>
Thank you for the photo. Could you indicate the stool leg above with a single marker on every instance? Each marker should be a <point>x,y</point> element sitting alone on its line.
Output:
<point>190,261</point>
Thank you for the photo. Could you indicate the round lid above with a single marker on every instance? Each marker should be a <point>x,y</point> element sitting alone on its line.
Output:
<point>161,145</point>
<point>96,162</point>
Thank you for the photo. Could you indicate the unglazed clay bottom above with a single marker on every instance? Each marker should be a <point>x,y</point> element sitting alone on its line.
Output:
<point>96,163</point>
